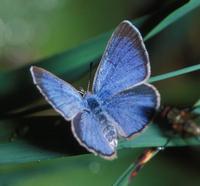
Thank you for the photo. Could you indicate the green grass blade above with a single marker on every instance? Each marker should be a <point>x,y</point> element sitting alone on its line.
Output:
<point>175,73</point>
<point>72,171</point>
<point>19,151</point>
<point>174,16</point>
<point>125,179</point>
<point>197,107</point>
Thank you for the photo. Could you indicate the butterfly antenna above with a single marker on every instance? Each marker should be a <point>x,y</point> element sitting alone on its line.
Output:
<point>90,76</point>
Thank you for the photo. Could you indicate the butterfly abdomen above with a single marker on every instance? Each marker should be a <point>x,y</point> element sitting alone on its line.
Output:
<point>109,131</point>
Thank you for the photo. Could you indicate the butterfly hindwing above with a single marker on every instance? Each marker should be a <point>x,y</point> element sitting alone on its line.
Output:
<point>90,134</point>
<point>133,109</point>
<point>62,96</point>
<point>124,64</point>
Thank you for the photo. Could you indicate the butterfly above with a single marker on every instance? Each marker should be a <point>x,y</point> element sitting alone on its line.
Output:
<point>121,102</point>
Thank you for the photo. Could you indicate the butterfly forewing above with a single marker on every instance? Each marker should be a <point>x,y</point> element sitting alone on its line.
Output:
<point>124,64</point>
<point>62,96</point>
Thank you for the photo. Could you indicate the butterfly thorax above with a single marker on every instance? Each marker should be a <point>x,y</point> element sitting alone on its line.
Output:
<point>92,103</point>
<point>94,106</point>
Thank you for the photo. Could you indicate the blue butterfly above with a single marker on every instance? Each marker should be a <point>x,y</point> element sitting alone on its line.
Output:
<point>121,102</point>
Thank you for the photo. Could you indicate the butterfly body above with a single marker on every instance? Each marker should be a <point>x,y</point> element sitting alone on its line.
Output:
<point>94,106</point>
<point>92,103</point>
<point>121,102</point>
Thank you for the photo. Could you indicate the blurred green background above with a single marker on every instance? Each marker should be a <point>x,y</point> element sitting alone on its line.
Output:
<point>33,30</point>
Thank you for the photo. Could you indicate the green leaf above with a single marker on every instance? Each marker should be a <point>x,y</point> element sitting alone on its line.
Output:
<point>19,151</point>
<point>153,137</point>
<point>125,178</point>
<point>175,73</point>
<point>174,16</point>
<point>197,107</point>
<point>72,171</point>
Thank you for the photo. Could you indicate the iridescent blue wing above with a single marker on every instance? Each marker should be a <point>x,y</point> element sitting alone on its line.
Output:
<point>133,109</point>
<point>124,64</point>
<point>90,134</point>
<point>62,96</point>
